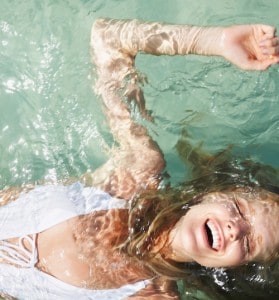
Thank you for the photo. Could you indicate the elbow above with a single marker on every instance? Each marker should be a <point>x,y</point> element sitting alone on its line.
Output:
<point>103,31</point>
<point>97,32</point>
<point>156,163</point>
<point>99,24</point>
<point>156,167</point>
<point>100,46</point>
<point>160,163</point>
<point>117,35</point>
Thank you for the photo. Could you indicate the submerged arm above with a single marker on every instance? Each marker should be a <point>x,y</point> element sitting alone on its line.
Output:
<point>138,161</point>
<point>253,46</point>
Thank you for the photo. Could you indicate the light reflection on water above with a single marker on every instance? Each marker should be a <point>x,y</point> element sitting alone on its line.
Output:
<point>51,125</point>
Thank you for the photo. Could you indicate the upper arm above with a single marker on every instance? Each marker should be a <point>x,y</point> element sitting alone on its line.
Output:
<point>136,161</point>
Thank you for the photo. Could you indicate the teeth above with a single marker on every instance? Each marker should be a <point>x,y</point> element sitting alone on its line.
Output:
<point>215,235</point>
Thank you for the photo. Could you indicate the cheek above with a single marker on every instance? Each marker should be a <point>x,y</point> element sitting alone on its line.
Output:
<point>236,254</point>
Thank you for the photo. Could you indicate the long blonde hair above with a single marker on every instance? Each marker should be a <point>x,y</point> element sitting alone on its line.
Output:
<point>152,214</point>
<point>156,212</point>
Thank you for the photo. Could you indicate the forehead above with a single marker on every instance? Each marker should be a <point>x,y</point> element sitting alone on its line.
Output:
<point>258,206</point>
<point>262,213</point>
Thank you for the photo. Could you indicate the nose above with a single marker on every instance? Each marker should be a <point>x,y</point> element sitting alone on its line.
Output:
<point>235,230</point>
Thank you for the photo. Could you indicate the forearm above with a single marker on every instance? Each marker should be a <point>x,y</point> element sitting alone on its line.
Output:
<point>133,36</point>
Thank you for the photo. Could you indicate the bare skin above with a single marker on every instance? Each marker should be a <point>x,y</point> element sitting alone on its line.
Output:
<point>137,162</point>
<point>228,229</point>
<point>256,48</point>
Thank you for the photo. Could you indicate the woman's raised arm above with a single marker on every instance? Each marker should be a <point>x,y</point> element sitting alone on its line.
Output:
<point>253,46</point>
<point>138,161</point>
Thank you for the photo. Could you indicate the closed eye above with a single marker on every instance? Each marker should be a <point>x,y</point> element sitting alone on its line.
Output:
<point>239,210</point>
<point>246,240</point>
<point>247,244</point>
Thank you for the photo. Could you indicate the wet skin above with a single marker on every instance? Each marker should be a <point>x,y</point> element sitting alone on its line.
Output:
<point>227,229</point>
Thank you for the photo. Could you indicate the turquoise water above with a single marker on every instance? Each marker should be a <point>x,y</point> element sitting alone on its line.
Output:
<point>51,123</point>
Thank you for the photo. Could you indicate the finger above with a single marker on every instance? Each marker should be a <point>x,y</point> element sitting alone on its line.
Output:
<point>269,42</point>
<point>271,51</point>
<point>275,41</point>
<point>274,50</point>
<point>269,31</point>
<point>257,66</point>
<point>272,60</point>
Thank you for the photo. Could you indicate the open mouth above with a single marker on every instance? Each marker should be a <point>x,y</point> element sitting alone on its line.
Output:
<point>213,235</point>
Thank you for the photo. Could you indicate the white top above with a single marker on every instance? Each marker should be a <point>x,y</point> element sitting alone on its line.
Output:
<point>38,210</point>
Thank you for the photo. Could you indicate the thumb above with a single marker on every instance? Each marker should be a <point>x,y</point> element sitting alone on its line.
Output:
<point>261,65</point>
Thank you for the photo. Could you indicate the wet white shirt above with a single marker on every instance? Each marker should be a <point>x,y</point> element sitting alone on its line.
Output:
<point>38,210</point>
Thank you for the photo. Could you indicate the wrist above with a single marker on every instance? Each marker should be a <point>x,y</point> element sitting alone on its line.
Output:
<point>208,41</point>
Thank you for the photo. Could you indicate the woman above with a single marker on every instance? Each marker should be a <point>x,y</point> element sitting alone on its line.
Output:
<point>76,242</point>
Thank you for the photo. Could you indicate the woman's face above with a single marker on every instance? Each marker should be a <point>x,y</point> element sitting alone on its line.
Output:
<point>228,229</point>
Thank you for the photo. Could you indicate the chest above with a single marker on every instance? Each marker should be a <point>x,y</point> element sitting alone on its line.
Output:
<point>84,251</point>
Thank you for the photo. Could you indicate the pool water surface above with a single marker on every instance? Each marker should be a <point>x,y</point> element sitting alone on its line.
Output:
<point>51,123</point>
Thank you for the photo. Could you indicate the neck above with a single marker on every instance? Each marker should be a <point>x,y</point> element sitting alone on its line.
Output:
<point>171,250</point>
<point>163,246</point>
